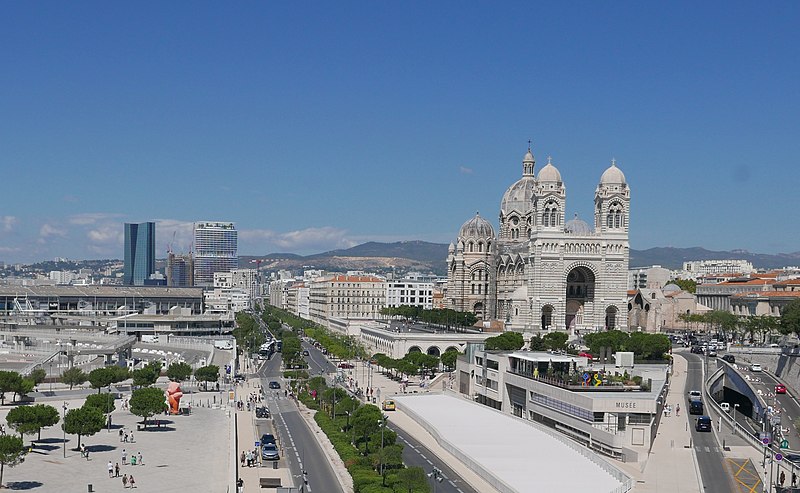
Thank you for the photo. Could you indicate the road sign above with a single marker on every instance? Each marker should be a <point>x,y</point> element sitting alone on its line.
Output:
<point>779,457</point>
<point>784,443</point>
<point>258,443</point>
<point>765,440</point>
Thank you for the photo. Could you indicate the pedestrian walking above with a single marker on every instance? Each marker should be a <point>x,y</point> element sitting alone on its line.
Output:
<point>131,437</point>
<point>126,438</point>
<point>116,470</point>
<point>794,480</point>
<point>677,410</point>
<point>782,478</point>
<point>141,462</point>
<point>121,431</point>
<point>124,457</point>
<point>242,458</point>
<point>132,481</point>
<point>133,459</point>
<point>125,481</point>
<point>110,469</point>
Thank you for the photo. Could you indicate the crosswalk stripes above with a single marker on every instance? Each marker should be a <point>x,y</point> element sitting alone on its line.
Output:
<point>708,450</point>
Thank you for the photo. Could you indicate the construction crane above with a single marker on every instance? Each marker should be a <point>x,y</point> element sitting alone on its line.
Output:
<point>257,261</point>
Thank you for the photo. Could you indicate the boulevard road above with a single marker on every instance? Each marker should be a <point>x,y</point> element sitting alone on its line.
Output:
<point>710,459</point>
<point>300,447</point>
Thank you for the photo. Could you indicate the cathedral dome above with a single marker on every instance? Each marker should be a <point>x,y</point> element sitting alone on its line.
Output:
<point>519,196</point>
<point>549,173</point>
<point>613,175</point>
<point>576,226</point>
<point>477,227</point>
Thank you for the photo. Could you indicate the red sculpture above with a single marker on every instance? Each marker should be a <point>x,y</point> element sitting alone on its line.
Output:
<point>174,395</point>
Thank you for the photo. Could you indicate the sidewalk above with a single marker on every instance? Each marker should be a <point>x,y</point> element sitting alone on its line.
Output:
<point>671,464</point>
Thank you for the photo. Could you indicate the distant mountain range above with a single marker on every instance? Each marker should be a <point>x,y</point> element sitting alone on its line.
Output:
<point>427,257</point>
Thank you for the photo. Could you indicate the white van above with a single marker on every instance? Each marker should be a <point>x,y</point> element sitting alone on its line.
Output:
<point>725,406</point>
<point>223,344</point>
<point>149,338</point>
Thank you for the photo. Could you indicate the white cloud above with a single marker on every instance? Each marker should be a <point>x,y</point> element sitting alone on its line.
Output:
<point>106,234</point>
<point>48,230</point>
<point>90,218</point>
<point>182,231</point>
<point>464,170</point>
<point>7,223</point>
<point>304,240</point>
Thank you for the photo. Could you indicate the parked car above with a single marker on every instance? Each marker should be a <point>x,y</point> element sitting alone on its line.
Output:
<point>703,423</point>
<point>388,405</point>
<point>780,389</point>
<point>274,385</point>
<point>305,352</point>
<point>711,353</point>
<point>270,452</point>
<point>729,358</point>
<point>697,350</point>
<point>262,412</point>
<point>346,365</point>
<point>755,367</point>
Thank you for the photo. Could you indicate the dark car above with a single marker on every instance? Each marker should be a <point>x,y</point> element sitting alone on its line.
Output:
<point>262,412</point>
<point>729,358</point>
<point>346,365</point>
<point>703,423</point>
<point>267,438</point>
<point>305,352</point>
<point>696,407</point>
<point>274,385</point>
<point>697,350</point>
<point>794,458</point>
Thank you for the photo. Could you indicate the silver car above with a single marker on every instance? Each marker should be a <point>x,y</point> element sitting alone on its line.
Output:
<point>270,452</point>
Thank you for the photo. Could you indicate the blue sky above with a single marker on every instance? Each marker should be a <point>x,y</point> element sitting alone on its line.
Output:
<point>315,126</point>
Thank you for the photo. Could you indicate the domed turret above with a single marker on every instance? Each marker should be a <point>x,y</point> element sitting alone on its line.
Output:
<point>477,227</point>
<point>549,173</point>
<point>576,226</point>
<point>613,175</point>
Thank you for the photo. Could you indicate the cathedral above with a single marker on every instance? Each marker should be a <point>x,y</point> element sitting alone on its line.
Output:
<point>541,272</point>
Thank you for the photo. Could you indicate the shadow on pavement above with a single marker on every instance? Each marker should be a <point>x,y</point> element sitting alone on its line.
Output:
<point>23,485</point>
<point>100,448</point>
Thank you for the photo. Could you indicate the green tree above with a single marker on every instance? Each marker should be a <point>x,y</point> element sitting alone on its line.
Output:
<point>12,453</point>
<point>413,480</point>
<point>23,420</point>
<point>179,371</point>
<point>449,358</point>
<point>120,374</point>
<point>47,417</point>
<point>614,339</point>
<point>83,421</point>
<point>22,387</point>
<point>507,341</point>
<point>38,375</point>
<point>144,377</point>
<point>537,343</point>
<point>790,317</point>
<point>74,376</point>
<point>556,341</point>
<point>689,285</point>
<point>207,374</point>
<point>147,402</point>
<point>387,458</point>
<point>9,381</point>
<point>100,377</point>
<point>366,422</point>
<point>103,401</point>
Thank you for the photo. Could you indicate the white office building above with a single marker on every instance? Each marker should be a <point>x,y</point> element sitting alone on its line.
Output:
<point>215,250</point>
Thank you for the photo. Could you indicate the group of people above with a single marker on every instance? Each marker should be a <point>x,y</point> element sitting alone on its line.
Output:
<point>668,410</point>
<point>134,458</point>
<point>249,457</point>
<point>125,437</point>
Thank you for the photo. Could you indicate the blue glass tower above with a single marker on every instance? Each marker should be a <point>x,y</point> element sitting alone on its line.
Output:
<point>140,253</point>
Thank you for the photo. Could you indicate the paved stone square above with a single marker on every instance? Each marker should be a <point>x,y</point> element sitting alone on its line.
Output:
<point>189,453</point>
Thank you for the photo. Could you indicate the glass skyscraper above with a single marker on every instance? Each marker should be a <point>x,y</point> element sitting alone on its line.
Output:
<point>215,250</point>
<point>140,253</point>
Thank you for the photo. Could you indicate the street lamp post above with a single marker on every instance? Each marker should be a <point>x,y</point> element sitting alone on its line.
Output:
<point>734,417</point>
<point>64,426</point>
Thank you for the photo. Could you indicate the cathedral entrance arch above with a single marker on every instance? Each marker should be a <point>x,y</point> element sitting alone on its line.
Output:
<point>547,317</point>
<point>434,351</point>
<point>580,290</point>
<point>414,349</point>
<point>611,317</point>
<point>477,309</point>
